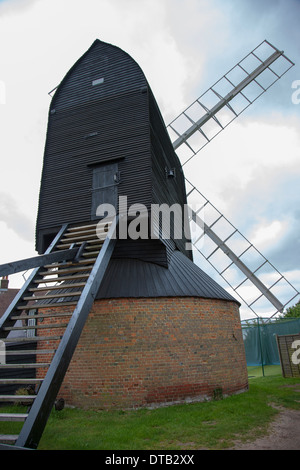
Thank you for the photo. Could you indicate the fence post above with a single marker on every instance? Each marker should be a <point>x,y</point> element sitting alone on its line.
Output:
<point>261,349</point>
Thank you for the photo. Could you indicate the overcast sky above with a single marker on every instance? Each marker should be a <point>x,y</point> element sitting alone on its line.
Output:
<point>251,171</point>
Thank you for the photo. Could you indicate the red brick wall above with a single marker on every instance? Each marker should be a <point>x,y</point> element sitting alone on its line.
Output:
<point>138,352</point>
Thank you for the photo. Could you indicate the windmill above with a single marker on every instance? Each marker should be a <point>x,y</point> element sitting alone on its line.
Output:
<point>106,138</point>
<point>233,256</point>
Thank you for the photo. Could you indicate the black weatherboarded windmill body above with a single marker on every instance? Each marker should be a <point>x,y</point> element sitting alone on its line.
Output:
<point>121,321</point>
<point>106,140</point>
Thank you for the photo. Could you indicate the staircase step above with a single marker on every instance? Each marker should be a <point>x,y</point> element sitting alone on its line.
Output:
<point>74,228</point>
<point>69,263</point>
<point>49,305</point>
<point>66,278</point>
<point>24,352</point>
<point>52,296</point>
<point>87,226</point>
<point>21,352</point>
<point>91,253</point>
<point>94,242</point>
<point>65,270</point>
<point>87,231</point>
<point>13,416</point>
<point>96,229</point>
<point>35,327</point>
<point>21,381</point>
<point>93,246</point>
<point>78,238</point>
<point>33,365</point>
<point>31,339</point>
<point>8,438</point>
<point>34,317</point>
<point>61,286</point>
<point>13,398</point>
<point>81,238</point>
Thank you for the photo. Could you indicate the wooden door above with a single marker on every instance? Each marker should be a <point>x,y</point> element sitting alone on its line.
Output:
<point>105,187</point>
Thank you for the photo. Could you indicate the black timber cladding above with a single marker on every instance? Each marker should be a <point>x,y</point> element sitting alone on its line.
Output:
<point>163,158</point>
<point>104,111</point>
<point>91,124</point>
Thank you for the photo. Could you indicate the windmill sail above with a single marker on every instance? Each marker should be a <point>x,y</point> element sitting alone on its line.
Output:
<point>224,101</point>
<point>252,277</point>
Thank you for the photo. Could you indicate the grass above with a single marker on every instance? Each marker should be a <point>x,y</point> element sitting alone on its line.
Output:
<point>209,425</point>
<point>258,371</point>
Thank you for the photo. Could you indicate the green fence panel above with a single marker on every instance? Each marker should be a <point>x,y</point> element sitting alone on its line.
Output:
<point>260,339</point>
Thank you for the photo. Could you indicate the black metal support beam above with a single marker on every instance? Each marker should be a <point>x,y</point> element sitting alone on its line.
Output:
<point>36,261</point>
<point>36,421</point>
<point>12,447</point>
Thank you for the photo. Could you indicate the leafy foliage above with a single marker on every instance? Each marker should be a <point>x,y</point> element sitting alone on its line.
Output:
<point>293,311</point>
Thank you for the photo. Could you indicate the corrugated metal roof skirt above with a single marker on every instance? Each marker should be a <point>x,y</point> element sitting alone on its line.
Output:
<point>135,278</point>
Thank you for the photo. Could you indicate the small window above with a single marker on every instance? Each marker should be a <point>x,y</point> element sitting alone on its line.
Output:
<point>92,134</point>
<point>170,172</point>
<point>99,81</point>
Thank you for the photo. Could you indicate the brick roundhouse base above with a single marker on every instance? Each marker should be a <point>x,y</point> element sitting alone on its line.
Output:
<point>156,351</point>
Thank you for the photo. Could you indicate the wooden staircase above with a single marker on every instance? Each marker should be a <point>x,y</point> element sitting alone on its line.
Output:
<point>53,305</point>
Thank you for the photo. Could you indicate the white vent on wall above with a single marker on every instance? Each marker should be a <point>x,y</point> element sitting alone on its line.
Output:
<point>99,81</point>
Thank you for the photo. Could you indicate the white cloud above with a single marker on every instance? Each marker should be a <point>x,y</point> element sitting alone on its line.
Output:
<point>247,162</point>
<point>267,233</point>
<point>12,216</point>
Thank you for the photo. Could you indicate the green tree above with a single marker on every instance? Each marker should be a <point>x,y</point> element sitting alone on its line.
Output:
<point>292,311</point>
